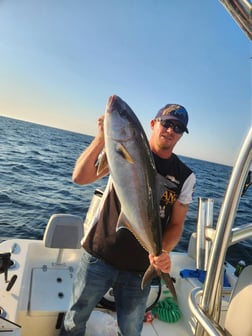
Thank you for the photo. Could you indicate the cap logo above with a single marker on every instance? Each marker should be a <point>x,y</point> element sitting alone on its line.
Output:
<point>174,112</point>
<point>170,109</point>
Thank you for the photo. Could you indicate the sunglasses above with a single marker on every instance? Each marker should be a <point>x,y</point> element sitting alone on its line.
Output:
<point>169,124</point>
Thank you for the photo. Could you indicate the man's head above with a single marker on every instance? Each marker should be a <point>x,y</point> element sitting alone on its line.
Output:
<point>173,112</point>
<point>167,129</point>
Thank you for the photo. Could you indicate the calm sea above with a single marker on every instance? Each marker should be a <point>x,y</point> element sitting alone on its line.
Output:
<point>36,164</point>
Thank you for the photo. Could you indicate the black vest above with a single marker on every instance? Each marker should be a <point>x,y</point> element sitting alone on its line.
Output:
<point>120,249</point>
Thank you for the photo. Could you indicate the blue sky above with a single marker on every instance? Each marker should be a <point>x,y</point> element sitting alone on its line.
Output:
<point>60,60</point>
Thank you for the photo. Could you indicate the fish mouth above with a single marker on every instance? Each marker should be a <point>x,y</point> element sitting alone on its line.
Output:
<point>110,102</point>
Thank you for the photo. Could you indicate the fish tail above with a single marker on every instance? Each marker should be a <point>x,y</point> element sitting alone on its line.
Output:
<point>149,274</point>
<point>169,284</point>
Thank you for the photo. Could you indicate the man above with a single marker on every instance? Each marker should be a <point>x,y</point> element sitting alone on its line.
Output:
<point>109,258</point>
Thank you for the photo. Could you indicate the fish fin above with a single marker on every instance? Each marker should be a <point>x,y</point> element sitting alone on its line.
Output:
<point>149,274</point>
<point>122,150</point>
<point>122,222</point>
<point>169,284</point>
<point>102,163</point>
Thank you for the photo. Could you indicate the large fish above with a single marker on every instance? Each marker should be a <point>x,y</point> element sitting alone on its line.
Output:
<point>135,179</point>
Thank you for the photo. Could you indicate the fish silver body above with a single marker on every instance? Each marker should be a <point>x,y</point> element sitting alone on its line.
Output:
<point>133,173</point>
<point>135,179</point>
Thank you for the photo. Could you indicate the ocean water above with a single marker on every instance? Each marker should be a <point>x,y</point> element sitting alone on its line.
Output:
<point>36,164</point>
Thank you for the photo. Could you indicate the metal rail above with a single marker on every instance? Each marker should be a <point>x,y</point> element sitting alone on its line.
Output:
<point>241,233</point>
<point>211,296</point>
<point>207,309</point>
<point>208,325</point>
<point>241,10</point>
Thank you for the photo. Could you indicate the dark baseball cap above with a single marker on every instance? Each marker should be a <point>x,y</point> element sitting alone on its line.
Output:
<point>174,112</point>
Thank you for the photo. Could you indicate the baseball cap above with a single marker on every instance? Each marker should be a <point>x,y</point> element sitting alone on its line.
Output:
<point>174,112</point>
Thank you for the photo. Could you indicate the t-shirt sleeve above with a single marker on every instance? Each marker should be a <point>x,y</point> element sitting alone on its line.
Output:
<point>186,194</point>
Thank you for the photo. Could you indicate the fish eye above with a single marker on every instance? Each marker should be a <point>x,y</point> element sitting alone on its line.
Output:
<point>135,133</point>
<point>123,112</point>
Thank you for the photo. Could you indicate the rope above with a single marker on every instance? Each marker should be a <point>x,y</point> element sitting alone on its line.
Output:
<point>167,310</point>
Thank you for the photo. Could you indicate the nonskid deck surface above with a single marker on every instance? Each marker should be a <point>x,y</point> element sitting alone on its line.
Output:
<point>103,323</point>
<point>156,327</point>
<point>31,259</point>
<point>159,328</point>
<point>35,267</point>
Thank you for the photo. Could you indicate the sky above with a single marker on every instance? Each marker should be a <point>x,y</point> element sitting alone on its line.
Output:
<point>60,60</point>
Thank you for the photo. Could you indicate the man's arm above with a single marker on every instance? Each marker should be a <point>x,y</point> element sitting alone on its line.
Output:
<point>175,227</point>
<point>171,237</point>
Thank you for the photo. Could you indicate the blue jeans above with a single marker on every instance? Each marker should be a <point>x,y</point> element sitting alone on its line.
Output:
<point>93,279</point>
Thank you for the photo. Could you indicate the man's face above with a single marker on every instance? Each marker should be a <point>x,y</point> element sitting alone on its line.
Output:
<point>164,133</point>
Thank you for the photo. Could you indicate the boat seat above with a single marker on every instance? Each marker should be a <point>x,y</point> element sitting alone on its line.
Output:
<point>239,314</point>
<point>63,231</point>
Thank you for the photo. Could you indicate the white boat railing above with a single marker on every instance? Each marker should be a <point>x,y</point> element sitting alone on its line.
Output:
<point>205,232</point>
<point>241,10</point>
<point>241,233</point>
<point>206,323</point>
<point>205,303</point>
<point>224,237</point>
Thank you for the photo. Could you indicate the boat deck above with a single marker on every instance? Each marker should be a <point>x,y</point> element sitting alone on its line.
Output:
<point>41,293</point>
<point>106,321</point>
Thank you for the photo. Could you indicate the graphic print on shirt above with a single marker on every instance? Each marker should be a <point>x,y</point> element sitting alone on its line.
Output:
<point>169,195</point>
